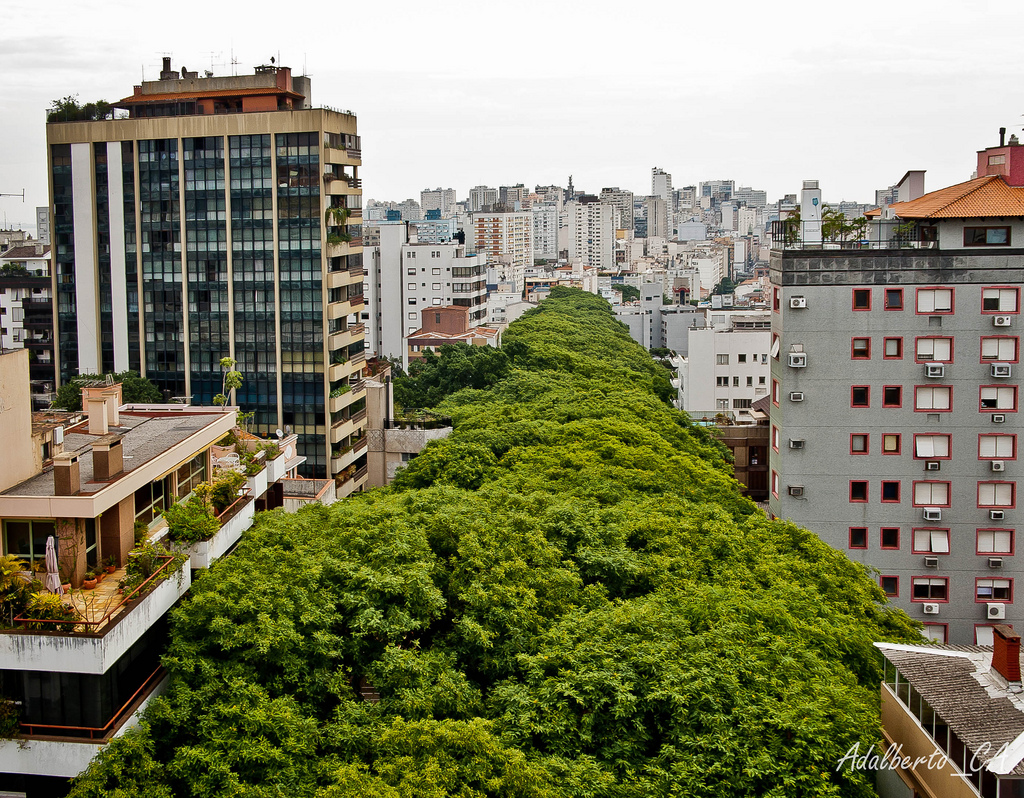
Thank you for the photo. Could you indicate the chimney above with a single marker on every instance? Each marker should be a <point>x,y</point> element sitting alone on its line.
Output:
<point>167,63</point>
<point>1006,653</point>
<point>66,480</point>
<point>113,399</point>
<point>1002,137</point>
<point>96,412</point>
<point>107,457</point>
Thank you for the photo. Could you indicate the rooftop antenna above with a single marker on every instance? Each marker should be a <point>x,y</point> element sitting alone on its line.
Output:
<point>22,195</point>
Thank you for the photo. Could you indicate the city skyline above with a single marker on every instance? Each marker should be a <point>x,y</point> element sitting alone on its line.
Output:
<point>601,97</point>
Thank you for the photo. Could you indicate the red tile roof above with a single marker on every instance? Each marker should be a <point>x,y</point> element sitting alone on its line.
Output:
<point>982,197</point>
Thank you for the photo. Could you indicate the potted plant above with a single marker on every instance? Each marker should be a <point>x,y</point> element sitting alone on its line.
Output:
<point>110,564</point>
<point>89,581</point>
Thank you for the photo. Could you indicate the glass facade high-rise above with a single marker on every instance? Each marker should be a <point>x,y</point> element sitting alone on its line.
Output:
<point>219,219</point>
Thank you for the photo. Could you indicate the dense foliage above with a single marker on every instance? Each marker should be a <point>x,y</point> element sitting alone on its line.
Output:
<point>567,597</point>
<point>134,390</point>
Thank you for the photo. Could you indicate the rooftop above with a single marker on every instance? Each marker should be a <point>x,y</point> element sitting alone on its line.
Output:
<point>982,197</point>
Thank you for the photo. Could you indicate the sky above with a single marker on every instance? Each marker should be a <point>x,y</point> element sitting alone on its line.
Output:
<point>459,94</point>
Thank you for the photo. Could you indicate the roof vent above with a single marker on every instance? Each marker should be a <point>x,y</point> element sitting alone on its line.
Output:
<point>66,479</point>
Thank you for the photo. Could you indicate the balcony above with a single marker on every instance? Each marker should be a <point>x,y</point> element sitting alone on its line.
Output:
<point>881,234</point>
<point>343,338</point>
<point>110,625</point>
<point>234,521</point>
<point>346,426</point>
<point>347,455</point>
<point>342,400</point>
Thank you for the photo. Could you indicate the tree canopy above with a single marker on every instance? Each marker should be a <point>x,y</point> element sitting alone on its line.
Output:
<point>630,293</point>
<point>569,596</point>
<point>134,389</point>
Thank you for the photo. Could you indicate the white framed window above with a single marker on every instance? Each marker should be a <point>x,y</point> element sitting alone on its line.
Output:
<point>435,286</point>
<point>933,397</point>
<point>999,348</point>
<point>411,286</point>
<point>411,316</point>
<point>999,300</point>
<point>997,447</point>
<point>930,447</point>
<point>934,300</point>
<point>437,301</point>
<point>722,360</point>
<point>436,272</point>
<point>995,494</point>
<point>931,494</point>
<point>721,404</point>
<point>939,350</point>
<point>998,397</point>
<point>931,541</point>
<point>995,541</point>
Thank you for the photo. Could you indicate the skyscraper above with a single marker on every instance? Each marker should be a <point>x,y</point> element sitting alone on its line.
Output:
<point>219,218</point>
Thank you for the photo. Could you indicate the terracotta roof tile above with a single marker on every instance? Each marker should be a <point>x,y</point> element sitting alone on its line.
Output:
<point>982,197</point>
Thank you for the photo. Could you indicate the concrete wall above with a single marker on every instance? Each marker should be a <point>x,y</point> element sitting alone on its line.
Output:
<point>15,419</point>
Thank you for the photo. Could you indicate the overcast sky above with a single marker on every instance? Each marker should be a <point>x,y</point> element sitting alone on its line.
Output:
<point>457,95</point>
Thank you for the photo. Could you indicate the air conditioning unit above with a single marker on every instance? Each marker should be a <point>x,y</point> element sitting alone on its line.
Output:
<point>1002,321</point>
<point>935,370</point>
<point>932,514</point>
<point>796,396</point>
<point>998,465</point>
<point>797,302</point>
<point>1001,369</point>
<point>995,562</point>
<point>998,418</point>
<point>930,609</point>
<point>798,360</point>
<point>995,611</point>
<point>931,562</point>
<point>796,490</point>
<point>796,443</point>
<point>996,515</point>
<point>932,465</point>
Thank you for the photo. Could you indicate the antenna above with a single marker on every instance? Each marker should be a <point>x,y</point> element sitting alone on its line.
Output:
<point>22,195</point>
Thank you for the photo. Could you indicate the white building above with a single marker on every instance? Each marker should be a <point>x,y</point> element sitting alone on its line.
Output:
<point>403,276</point>
<point>545,231</point>
<point>438,199</point>
<point>507,241</point>
<point>591,235</point>
<point>657,217</point>
<point>482,198</point>
<point>622,201</point>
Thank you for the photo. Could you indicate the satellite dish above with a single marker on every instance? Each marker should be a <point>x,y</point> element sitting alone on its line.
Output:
<point>280,434</point>
<point>271,59</point>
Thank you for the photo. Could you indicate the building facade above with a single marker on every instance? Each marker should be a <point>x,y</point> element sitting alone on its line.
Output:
<point>507,241</point>
<point>220,219</point>
<point>26,313</point>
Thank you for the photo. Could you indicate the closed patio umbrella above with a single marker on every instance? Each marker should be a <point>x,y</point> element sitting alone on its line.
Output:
<point>52,576</point>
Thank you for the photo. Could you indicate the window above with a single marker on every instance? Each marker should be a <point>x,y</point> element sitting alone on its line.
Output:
<point>776,345</point>
<point>894,299</point>
<point>935,632</point>
<point>995,541</point>
<point>722,360</point>
<point>411,316</point>
<point>999,300</point>
<point>890,537</point>
<point>931,494</point>
<point>924,588</point>
<point>890,585</point>
<point>931,541</point>
<point>860,396</point>
<point>721,404</point>
<point>931,447</point>
<point>861,349</point>
<point>1001,348</point>
<point>435,272</point>
<point>893,348</point>
<point>891,443</point>
<point>26,540</point>
<point>892,396</point>
<point>999,397</point>
<point>997,447</point>
<point>858,537</point>
<point>862,299</point>
<point>775,484</point>
<point>776,299</point>
<point>933,398</point>
<point>775,437</point>
<point>776,392</point>
<point>750,382</point>
<point>996,494</point>
<point>858,491</point>
<point>938,350</point>
<point>934,300</point>
<point>741,358</point>
<point>890,492</point>
<point>411,286</point>
<point>722,382</point>
<point>435,286</point>
<point>982,634</point>
<point>986,236</point>
<point>736,381</point>
<point>993,590</point>
<point>858,443</point>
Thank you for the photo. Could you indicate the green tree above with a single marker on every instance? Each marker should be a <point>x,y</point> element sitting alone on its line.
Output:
<point>727,286</point>
<point>230,381</point>
<point>134,390</point>
<point>630,293</point>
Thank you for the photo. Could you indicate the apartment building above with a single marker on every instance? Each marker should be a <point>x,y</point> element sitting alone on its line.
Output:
<point>438,199</point>
<point>622,201</point>
<point>92,486</point>
<point>482,198</point>
<point>26,313</point>
<point>507,241</point>
<point>590,234</point>
<point>545,230</point>
<point>895,366</point>
<point>221,218</point>
<point>405,276</point>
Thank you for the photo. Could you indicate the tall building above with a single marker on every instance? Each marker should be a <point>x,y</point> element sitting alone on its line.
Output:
<point>622,201</point>
<point>661,185</point>
<point>895,393</point>
<point>404,276</point>
<point>438,199</point>
<point>507,240</point>
<point>482,198</point>
<point>220,219</point>
<point>26,313</point>
<point>657,218</point>
<point>591,234</point>
<point>545,230</point>
<point>514,198</point>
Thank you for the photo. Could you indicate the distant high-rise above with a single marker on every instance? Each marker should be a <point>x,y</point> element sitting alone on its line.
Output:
<point>623,202</point>
<point>661,185</point>
<point>438,199</point>
<point>220,218</point>
<point>482,198</point>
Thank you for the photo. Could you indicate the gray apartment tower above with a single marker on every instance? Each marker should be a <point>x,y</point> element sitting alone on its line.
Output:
<point>896,375</point>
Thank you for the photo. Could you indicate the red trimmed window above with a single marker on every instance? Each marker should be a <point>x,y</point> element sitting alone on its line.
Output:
<point>1000,349</point>
<point>860,396</point>
<point>998,399</point>
<point>775,437</point>
<point>931,541</point>
<point>862,299</point>
<point>858,537</point>
<point>889,537</point>
<point>894,299</point>
<point>890,585</point>
<point>997,446</point>
<point>858,443</point>
<point>776,299</point>
<point>892,396</point>
<point>931,493</point>
<point>776,392</point>
<point>933,398</point>
<point>933,349</point>
<point>860,349</point>
<point>892,348</point>
<point>937,632</point>
<point>929,588</point>
<point>993,589</point>
<point>890,492</point>
<point>858,490</point>
<point>997,494</point>
<point>995,541</point>
<point>932,301</point>
<point>1000,299</point>
<point>891,443</point>
<point>775,484</point>
<point>931,446</point>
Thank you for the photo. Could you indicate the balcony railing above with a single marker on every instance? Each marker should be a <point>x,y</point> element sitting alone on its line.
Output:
<point>881,234</point>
